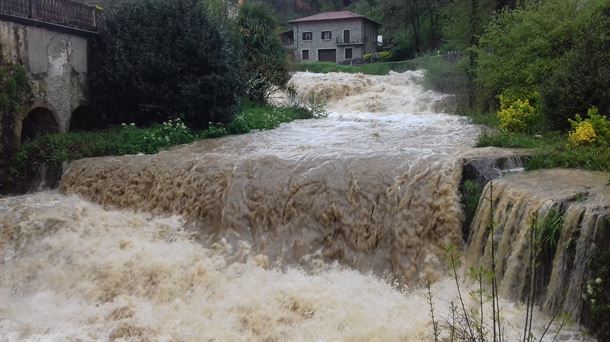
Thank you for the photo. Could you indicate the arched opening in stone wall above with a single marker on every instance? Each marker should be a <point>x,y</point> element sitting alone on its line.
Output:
<point>40,121</point>
<point>83,119</point>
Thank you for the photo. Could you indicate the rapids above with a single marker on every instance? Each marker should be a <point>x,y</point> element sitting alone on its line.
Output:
<point>71,270</point>
<point>374,191</point>
<point>319,230</point>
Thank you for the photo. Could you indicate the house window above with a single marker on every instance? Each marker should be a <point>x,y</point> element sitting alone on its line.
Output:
<point>327,35</point>
<point>348,53</point>
<point>305,55</point>
<point>346,36</point>
<point>307,36</point>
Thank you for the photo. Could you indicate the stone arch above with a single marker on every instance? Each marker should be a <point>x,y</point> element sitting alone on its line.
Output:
<point>39,121</point>
<point>83,119</point>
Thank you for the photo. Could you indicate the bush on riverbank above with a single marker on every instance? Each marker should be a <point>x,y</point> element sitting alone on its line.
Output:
<point>56,149</point>
<point>178,62</point>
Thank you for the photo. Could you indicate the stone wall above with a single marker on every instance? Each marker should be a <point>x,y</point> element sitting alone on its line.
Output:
<point>56,63</point>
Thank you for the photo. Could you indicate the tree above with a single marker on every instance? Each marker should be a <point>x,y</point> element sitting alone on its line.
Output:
<point>160,59</point>
<point>555,48</point>
<point>581,78</point>
<point>265,58</point>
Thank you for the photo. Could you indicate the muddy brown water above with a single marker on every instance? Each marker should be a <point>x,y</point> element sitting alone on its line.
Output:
<point>318,230</point>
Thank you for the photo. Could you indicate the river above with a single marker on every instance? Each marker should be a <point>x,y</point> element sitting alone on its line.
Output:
<point>319,230</point>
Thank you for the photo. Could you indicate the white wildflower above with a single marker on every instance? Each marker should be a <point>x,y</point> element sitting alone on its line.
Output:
<point>598,281</point>
<point>589,289</point>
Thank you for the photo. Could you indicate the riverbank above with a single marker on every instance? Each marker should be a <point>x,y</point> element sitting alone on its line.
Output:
<point>41,160</point>
<point>382,68</point>
<point>378,68</point>
<point>552,149</point>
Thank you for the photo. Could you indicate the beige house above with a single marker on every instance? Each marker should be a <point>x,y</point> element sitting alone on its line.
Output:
<point>338,37</point>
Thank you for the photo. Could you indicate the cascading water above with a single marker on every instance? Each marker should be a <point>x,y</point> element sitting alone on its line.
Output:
<point>291,234</point>
<point>582,198</point>
<point>374,191</point>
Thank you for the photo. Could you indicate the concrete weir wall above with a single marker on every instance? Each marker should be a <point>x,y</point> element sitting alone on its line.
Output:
<point>56,63</point>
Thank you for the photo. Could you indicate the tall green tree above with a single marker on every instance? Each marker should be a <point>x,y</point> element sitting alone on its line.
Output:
<point>581,78</point>
<point>557,48</point>
<point>266,64</point>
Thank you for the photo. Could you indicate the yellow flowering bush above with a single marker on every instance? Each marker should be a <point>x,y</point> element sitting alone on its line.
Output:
<point>385,55</point>
<point>517,116</point>
<point>582,134</point>
<point>595,129</point>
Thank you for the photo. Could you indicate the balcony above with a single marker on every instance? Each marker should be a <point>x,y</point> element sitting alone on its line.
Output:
<point>57,12</point>
<point>341,42</point>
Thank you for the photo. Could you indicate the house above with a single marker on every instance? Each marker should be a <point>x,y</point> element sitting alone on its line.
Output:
<point>338,37</point>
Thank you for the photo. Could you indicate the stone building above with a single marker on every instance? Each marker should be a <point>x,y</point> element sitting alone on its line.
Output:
<point>341,36</point>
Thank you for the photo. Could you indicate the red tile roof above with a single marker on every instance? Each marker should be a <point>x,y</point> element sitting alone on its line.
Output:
<point>338,15</point>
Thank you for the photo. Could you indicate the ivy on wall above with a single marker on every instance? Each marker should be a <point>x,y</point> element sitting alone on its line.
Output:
<point>15,95</point>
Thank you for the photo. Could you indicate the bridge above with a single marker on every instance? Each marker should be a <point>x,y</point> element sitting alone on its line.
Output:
<point>50,38</point>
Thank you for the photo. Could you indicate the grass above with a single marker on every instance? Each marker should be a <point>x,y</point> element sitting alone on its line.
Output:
<point>505,139</point>
<point>589,158</point>
<point>56,149</point>
<point>552,149</point>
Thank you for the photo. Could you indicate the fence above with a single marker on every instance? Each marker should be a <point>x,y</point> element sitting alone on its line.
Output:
<point>61,12</point>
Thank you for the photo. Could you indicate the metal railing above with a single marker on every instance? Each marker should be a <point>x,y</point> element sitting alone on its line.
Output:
<point>60,12</point>
<point>349,42</point>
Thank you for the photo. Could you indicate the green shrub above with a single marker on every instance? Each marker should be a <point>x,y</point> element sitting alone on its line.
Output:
<point>255,116</point>
<point>214,131</point>
<point>55,149</point>
<point>263,117</point>
<point>178,62</point>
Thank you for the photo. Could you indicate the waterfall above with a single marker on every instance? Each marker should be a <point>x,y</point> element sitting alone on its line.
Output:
<point>582,199</point>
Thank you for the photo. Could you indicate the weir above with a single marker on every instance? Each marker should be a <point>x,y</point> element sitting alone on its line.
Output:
<point>569,250</point>
<point>319,229</point>
<point>374,191</point>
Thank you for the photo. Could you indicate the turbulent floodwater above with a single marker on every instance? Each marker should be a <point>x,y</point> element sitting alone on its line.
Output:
<point>321,229</point>
<point>374,191</point>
